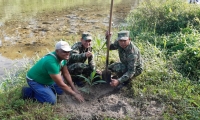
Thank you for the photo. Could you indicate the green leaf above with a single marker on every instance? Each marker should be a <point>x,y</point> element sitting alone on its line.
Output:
<point>86,79</point>
<point>92,75</point>
<point>99,81</point>
<point>96,76</point>
<point>98,42</point>
<point>84,89</point>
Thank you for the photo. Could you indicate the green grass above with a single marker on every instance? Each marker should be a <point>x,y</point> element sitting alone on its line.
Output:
<point>171,55</point>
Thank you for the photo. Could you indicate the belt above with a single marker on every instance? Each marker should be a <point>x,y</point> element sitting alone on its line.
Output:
<point>28,78</point>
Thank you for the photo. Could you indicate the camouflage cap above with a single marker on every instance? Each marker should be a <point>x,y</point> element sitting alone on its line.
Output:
<point>86,36</point>
<point>123,35</point>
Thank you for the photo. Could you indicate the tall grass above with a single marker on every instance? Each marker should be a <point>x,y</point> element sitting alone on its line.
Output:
<point>160,81</point>
<point>167,32</point>
<point>153,21</point>
<point>164,16</point>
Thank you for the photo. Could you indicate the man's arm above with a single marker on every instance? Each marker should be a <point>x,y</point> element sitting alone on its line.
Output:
<point>131,68</point>
<point>114,45</point>
<point>58,80</point>
<point>91,62</point>
<point>68,78</point>
<point>129,74</point>
<point>75,53</point>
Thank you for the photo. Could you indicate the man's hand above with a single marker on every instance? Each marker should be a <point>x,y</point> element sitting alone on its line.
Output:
<point>114,82</point>
<point>79,97</point>
<point>108,34</point>
<point>99,72</point>
<point>71,90</point>
<point>88,54</point>
<point>76,91</point>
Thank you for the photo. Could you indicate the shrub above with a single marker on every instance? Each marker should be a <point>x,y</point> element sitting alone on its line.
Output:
<point>188,62</point>
<point>163,17</point>
<point>178,41</point>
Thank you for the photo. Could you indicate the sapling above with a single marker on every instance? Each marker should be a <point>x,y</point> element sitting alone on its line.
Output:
<point>91,81</point>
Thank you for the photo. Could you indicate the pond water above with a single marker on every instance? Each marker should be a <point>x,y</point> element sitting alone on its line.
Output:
<point>29,27</point>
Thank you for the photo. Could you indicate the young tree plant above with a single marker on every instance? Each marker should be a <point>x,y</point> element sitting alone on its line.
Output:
<point>91,81</point>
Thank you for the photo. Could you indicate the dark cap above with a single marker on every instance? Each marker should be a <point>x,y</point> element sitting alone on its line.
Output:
<point>86,36</point>
<point>123,35</point>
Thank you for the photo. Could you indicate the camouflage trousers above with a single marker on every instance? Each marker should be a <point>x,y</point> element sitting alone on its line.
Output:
<point>119,69</point>
<point>79,68</point>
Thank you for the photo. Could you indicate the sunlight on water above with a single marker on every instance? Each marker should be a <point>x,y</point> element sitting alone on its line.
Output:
<point>21,8</point>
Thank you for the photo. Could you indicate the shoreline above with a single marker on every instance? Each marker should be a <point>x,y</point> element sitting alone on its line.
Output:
<point>8,65</point>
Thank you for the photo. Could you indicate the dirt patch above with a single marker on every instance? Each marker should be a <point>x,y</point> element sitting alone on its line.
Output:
<point>105,102</point>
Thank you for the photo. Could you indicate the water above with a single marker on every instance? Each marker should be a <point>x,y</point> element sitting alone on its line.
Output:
<point>30,27</point>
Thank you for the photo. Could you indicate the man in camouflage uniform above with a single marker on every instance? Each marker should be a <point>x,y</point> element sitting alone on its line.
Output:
<point>131,61</point>
<point>81,51</point>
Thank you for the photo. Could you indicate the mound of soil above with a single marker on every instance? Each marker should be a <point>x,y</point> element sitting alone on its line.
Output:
<point>104,101</point>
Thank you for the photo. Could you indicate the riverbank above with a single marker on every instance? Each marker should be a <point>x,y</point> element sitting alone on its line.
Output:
<point>8,65</point>
<point>5,63</point>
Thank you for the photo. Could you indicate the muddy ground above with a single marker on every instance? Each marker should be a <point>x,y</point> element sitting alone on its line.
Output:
<point>107,102</point>
<point>34,35</point>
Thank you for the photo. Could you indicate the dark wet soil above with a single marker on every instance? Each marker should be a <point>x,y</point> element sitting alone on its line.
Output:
<point>105,102</point>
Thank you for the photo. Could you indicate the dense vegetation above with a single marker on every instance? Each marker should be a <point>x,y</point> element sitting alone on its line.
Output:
<point>173,28</point>
<point>167,33</point>
<point>168,36</point>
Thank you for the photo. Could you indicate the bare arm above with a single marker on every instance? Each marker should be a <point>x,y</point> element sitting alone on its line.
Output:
<point>91,62</point>
<point>58,80</point>
<point>68,78</point>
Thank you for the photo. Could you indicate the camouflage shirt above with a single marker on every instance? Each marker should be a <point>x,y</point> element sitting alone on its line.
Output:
<point>130,57</point>
<point>78,55</point>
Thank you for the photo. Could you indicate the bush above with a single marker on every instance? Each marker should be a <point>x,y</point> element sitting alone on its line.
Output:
<point>188,62</point>
<point>175,42</point>
<point>163,17</point>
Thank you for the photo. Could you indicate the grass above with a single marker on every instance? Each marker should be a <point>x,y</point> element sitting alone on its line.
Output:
<point>171,66</point>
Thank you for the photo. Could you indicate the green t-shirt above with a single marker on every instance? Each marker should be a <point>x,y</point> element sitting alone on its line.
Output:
<point>47,65</point>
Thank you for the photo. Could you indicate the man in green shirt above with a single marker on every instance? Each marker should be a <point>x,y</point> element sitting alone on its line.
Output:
<point>45,78</point>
